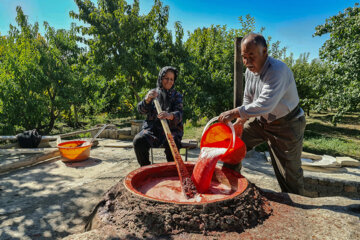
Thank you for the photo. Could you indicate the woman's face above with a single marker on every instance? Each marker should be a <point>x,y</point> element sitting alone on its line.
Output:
<point>167,80</point>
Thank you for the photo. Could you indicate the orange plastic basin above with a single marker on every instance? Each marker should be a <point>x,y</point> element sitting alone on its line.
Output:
<point>71,152</point>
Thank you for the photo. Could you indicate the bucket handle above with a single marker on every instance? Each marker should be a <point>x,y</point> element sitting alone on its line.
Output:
<point>229,124</point>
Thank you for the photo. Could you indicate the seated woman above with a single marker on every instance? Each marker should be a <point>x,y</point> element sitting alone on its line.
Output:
<point>152,134</point>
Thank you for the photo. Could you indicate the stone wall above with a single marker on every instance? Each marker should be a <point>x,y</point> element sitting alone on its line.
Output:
<point>125,133</point>
<point>325,187</point>
<point>113,132</point>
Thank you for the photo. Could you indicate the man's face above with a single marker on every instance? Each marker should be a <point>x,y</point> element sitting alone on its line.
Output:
<point>253,56</point>
<point>167,80</point>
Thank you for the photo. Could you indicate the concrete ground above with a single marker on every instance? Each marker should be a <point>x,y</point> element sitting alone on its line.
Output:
<point>51,200</point>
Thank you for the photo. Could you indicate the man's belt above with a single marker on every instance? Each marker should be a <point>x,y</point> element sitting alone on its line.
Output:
<point>285,118</point>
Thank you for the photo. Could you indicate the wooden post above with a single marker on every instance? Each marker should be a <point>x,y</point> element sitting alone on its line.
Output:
<point>238,75</point>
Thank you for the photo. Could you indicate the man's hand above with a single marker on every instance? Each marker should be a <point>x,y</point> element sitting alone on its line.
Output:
<point>165,115</point>
<point>239,126</point>
<point>229,115</point>
<point>151,95</point>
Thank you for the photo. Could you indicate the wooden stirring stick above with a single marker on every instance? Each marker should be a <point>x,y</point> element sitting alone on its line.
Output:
<point>187,185</point>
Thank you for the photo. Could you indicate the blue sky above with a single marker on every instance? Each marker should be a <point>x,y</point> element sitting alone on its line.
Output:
<point>290,22</point>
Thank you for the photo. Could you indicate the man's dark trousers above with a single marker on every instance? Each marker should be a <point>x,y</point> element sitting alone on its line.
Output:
<point>284,138</point>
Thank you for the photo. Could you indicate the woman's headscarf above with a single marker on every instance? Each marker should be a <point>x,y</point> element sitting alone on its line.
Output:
<point>164,95</point>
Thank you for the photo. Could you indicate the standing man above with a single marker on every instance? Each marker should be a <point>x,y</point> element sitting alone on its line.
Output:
<point>270,113</point>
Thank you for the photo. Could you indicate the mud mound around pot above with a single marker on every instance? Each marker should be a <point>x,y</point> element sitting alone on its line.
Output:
<point>142,217</point>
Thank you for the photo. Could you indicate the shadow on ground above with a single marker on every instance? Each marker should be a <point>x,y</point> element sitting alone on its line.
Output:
<point>39,204</point>
<point>284,198</point>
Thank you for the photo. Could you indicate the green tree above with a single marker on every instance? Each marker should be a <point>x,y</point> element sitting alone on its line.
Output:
<point>127,48</point>
<point>308,81</point>
<point>59,62</point>
<point>211,51</point>
<point>342,52</point>
<point>22,101</point>
<point>36,75</point>
<point>211,54</point>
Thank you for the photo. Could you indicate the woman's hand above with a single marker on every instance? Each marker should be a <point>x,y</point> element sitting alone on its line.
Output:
<point>151,95</point>
<point>165,115</point>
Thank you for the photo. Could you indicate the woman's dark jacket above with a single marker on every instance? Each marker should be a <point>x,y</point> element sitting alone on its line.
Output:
<point>171,101</point>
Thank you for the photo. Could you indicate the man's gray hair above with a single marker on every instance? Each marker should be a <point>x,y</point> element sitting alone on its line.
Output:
<point>256,38</point>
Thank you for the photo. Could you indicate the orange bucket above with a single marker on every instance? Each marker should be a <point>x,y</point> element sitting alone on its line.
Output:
<point>221,135</point>
<point>218,142</point>
<point>71,150</point>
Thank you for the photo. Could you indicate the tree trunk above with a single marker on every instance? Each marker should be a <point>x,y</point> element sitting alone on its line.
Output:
<point>76,116</point>
<point>51,123</point>
<point>69,114</point>
<point>132,84</point>
<point>53,116</point>
<point>137,98</point>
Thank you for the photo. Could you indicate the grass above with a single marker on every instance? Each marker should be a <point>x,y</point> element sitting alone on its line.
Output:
<point>319,144</point>
<point>194,130</point>
<point>320,137</point>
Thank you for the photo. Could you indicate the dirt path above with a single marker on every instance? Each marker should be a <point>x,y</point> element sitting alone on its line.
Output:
<point>50,200</point>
